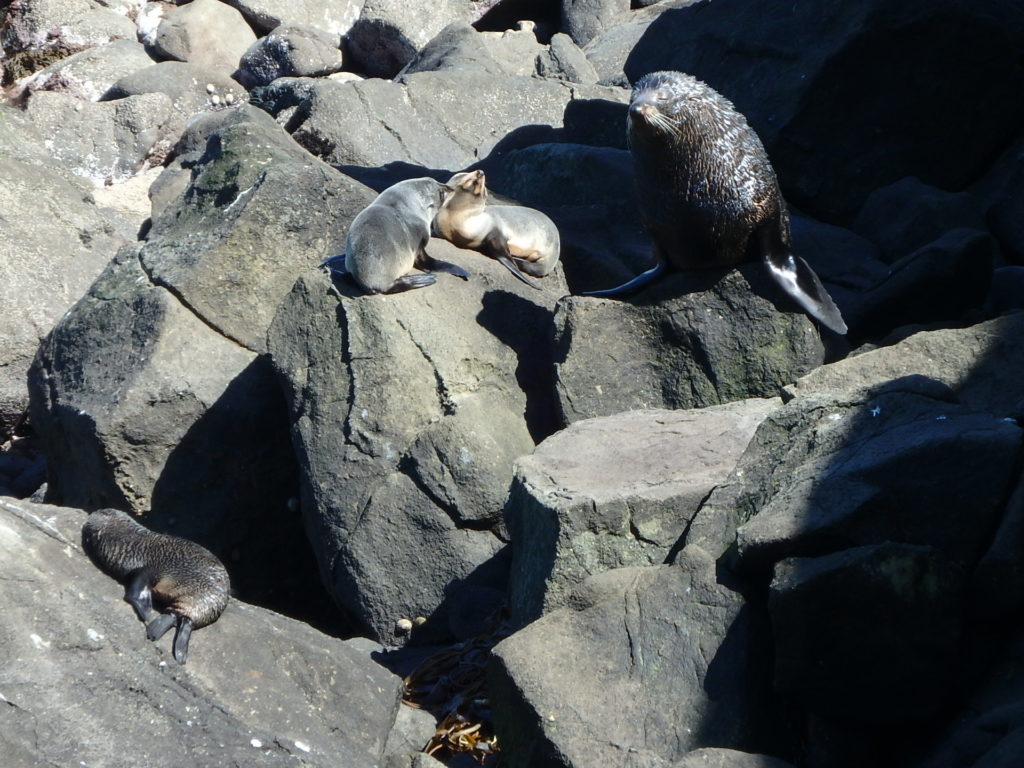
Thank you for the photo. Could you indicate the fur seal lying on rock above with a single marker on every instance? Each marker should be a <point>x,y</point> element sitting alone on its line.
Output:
<point>187,580</point>
<point>521,239</point>
<point>389,237</point>
<point>708,194</point>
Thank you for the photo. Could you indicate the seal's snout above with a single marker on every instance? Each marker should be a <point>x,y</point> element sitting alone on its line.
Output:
<point>642,110</point>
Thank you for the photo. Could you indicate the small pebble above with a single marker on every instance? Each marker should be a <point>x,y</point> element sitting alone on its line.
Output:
<point>215,100</point>
<point>419,621</point>
<point>210,88</point>
<point>229,98</point>
<point>403,625</point>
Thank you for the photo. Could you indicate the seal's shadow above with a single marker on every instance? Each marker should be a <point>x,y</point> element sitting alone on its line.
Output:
<point>527,329</point>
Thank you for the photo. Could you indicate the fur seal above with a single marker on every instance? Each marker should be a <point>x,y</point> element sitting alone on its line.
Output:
<point>521,239</point>
<point>708,194</point>
<point>186,579</point>
<point>389,237</point>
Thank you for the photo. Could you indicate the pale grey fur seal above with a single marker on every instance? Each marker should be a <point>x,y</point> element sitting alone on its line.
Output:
<point>708,194</point>
<point>389,237</point>
<point>522,239</point>
<point>186,580</point>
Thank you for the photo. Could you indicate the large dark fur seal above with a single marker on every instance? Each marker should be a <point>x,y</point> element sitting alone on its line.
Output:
<point>708,194</point>
<point>187,580</point>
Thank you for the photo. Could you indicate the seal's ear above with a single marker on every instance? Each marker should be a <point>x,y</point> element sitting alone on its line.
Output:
<point>444,192</point>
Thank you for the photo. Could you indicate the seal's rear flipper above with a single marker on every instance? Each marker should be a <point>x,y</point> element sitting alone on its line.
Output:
<point>181,638</point>
<point>158,627</point>
<point>335,264</point>
<point>636,283</point>
<point>138,593</point>
<point>438,265</point>
<point>410,281</point>
<point>496,246</point>
<point>796,278</point>
<point>507,263</point>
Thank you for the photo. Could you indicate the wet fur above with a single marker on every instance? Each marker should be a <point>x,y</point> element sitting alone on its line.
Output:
<point>184,579</point>
<point>522,239</point>
<point>389,237</point>
<point>708,194</point>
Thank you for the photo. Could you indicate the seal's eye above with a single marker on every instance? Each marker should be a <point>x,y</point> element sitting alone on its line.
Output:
<point>661,95</point>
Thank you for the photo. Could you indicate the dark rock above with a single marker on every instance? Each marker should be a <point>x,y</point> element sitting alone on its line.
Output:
<point>408,412</point>
<point>612,492</point>
<point>942,282</point>
<point>869,633</point>
<point>646,662</point>
<point>583,20</point>
<point>564,60</point>
<point>981,364</point>
<point>1006,294</point>
<point>690,341</point>
<point>457,46</point>
<point>289,52</point>
<point>56,241</point>
<point>607,52</point>
<point>389,33</point>
<point>206,33</point>
<point>85,685</point>
<point>900,462</point>
<point>714,757</point>
<point>909,214</point>
<point>997,584</point>
<point>334,17</point>
<point>817,84</point>
<point>838,256</point>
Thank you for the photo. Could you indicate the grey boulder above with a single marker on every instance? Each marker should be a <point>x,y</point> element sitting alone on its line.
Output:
<point>84,685</point>
<point>690,341</point>
<point>56,241</point>
<point>643,666</point>
<point>407,413</point>
<point>289,51</point>
<point>615,491</point>
<point>207,33</point>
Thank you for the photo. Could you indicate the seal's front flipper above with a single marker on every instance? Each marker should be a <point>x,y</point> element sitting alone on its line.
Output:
<point>158,627</point>
<point>636,283</point>
<point>411,281</point>
<point>496,247</point>
<point>335,264</point>
<point>437,265</point>
<point>181,638</point>
<point>796,278</point>
<point>138,594</point>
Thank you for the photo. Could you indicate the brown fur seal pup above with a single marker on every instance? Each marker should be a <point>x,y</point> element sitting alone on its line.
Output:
<point>186,579</point>
<point>389,237</point>
<point>708,194</point>
<point>522,239</point>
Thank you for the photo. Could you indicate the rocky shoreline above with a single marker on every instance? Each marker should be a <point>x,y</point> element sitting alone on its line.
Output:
<point>686,528</point>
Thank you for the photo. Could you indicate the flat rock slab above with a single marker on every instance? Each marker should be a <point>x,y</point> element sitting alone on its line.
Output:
<point>651,661</point>
<point>615,491</point>
<point>81,684</point>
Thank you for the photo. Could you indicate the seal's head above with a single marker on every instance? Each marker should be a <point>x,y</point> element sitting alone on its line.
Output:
<point>666,105</point>
<point>473,182</point>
